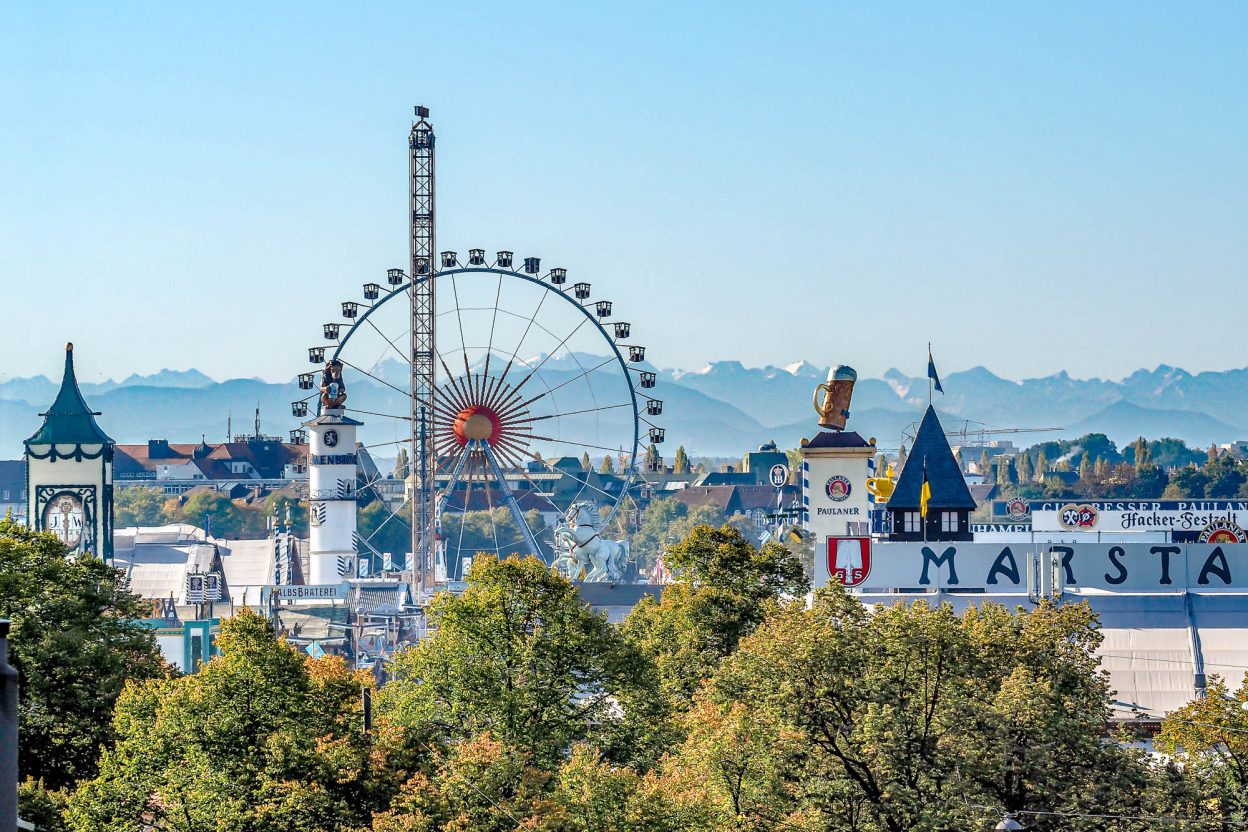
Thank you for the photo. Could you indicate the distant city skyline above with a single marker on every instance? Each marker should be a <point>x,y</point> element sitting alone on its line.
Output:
<point>1033,189</point>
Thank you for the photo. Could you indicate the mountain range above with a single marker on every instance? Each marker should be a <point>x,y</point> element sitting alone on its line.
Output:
<point>721,409</point>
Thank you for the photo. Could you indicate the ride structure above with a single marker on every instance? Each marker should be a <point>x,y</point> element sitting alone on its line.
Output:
<point>492,376</point>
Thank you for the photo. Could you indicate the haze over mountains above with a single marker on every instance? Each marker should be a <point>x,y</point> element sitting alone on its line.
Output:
<point>721,409</point>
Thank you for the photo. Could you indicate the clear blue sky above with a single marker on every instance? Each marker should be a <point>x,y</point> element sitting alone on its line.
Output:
<point>1032,187</point>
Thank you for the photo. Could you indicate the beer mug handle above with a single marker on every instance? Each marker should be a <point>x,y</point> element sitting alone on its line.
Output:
<point>821,391</point>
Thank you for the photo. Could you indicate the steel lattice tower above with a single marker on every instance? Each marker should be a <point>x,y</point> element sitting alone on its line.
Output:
<point>424,267</point>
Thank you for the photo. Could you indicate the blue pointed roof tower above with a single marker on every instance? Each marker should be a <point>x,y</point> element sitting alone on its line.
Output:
<point>69,421</point>
<point>931,454</point>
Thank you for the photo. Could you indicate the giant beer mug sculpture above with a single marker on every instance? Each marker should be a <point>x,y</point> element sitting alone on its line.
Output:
<point>833,396</point>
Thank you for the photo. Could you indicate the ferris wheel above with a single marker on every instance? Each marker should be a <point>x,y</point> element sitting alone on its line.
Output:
<point>492,381</point>
<point>531,375</point>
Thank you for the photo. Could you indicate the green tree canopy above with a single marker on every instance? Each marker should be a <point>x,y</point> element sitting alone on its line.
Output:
<point>1210,735</point>
<point>909,716</point>
<point>723,592</point>
<point>75,643</point>
<point>280,503</point>
<point>519,654</point>
<point>139,505</point>
<point>384,530</point>
<point>226,518</point>
<point>680,463</point>
<point>262,738</point>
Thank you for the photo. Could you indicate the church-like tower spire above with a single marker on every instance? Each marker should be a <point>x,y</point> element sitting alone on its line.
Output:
<point>69,421</point>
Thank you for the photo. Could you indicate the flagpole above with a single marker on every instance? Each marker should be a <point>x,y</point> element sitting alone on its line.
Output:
<point>929,375</point>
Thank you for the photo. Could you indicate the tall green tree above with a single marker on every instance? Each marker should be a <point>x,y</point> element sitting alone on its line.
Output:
<point>519,654</point>
<point>1024,467</point>
<point>1042,466</point>
<point>723,591</point>
<point>607,466</point>
<point>680,464</point>
<point>401,466</point>
<point>261,738</point>
<point>653,461</point>
<point>75,643</point>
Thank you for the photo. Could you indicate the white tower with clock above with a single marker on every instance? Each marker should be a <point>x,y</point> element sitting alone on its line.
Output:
<point>69,473</point>
<point>331,496</point>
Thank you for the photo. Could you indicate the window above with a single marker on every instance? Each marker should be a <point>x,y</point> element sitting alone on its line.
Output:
<point>949,521</point>
<point>912,522</point>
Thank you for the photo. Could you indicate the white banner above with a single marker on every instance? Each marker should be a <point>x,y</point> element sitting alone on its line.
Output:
<point>1001,567</point>
<point>1137,515</point>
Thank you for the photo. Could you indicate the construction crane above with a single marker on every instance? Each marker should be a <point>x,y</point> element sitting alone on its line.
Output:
<point>968,435</point>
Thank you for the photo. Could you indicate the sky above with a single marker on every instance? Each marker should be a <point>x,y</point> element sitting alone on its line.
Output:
<point>1030,187</point>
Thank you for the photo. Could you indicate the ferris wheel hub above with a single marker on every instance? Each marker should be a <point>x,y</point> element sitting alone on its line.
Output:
<point>477,422</point>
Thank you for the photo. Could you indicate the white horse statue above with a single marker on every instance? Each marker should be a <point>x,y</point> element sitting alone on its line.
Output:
<point>581,545</point>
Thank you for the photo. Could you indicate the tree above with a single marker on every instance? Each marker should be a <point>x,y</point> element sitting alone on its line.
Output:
<point>1140,453</point>
<point>1085,467</point>
<point>139,506</point>
<point>607,466</point>
<point>1042,466</point>
<point>385,531</point>
<point>519,654</point>
<point>402,468</point>
<point>1151,481</point>
<point>262,737</point>
<point>653,461</point>
<point>680,464</point>
<point>1210,735</point>
<point>281,505</point>
<point>906,716</point>
<point>586,465</point>
<point>1225,477</point>
<point>1188,481</point>
<point>480,784</point>
<point>1173,453</point>
<point>666,521</point>
<point>208,507</point>
<point>1024,467</point>
<point>75,643</point>
<point>488,531</point>
<point>983,462</point>
<point>724,588</point>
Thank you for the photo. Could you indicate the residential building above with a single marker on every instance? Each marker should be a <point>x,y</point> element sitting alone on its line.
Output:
<point>258,461</point>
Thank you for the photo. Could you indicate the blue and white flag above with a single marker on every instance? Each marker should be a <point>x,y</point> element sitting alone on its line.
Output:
<point>931,372</point>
